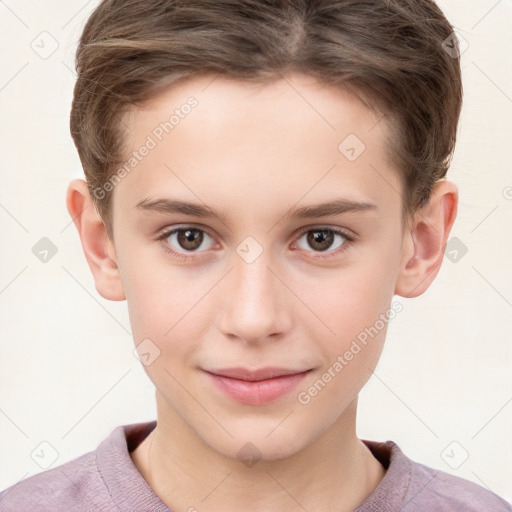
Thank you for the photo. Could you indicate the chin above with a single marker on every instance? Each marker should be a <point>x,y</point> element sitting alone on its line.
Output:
<point>250,445</point>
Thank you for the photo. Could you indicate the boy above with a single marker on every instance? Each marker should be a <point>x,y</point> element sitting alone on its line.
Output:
<point>262,178</point>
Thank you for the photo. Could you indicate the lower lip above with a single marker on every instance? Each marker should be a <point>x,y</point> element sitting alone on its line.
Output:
<point>257,392</point>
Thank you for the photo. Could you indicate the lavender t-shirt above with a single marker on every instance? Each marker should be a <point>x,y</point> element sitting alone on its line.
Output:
<point>107,480</point>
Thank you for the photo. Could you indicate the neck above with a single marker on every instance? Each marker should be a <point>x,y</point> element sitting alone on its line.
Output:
<point>335,472</point>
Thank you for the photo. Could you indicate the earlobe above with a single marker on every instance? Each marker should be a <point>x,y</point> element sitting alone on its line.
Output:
<point>98,248</point>
<point>425,241</point>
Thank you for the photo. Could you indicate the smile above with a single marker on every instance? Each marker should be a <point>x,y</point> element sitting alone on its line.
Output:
<point>256,387</point>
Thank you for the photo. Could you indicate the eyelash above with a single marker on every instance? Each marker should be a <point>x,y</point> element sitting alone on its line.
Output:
<point>330,254</point>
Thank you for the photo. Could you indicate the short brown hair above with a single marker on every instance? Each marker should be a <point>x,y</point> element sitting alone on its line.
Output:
<point>390,53</point>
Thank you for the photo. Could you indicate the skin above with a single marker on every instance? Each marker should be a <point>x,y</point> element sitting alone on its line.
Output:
<point>254,153</point>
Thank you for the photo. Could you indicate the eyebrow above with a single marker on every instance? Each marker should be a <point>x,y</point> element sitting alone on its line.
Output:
<point>334,207</point>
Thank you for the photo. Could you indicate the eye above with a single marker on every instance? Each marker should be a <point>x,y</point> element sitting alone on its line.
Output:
<point>184,239</point>
<point>189,239</point>
<point>321,239</point>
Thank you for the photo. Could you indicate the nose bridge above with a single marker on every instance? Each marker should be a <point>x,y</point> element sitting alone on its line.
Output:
<point>253,279</point>
<point>255,305</point>
<point>254,282</point>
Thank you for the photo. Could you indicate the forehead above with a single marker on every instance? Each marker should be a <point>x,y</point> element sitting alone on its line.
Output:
<point>227,104</point>
<point>291,136</point>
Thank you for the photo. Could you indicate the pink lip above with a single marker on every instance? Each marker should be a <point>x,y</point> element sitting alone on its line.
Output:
<point>256,387</point>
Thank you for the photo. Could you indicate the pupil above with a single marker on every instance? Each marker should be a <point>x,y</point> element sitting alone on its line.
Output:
<point>324,238</point>
<point>188,238</point>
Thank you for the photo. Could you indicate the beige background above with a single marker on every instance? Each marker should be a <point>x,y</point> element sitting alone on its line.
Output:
<point>68,376</point>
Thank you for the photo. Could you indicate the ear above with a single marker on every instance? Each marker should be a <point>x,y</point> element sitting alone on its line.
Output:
<point>98,248</point>
<point>425,240</point>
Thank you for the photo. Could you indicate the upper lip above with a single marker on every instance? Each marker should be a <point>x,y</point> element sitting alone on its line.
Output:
<point>253,375</point>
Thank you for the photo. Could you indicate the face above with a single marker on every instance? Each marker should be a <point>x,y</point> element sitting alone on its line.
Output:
<point>271,280</point>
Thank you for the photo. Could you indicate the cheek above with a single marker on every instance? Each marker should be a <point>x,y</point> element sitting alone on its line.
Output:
<point>358,318</point>
<point>356,298</point>
<point>358,311</point>
<point>159,295</point>
<point>165,307</point>
<point>356,307</point>
<point>171,306</point>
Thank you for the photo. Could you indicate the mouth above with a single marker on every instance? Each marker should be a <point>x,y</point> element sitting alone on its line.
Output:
<point>256,387</point>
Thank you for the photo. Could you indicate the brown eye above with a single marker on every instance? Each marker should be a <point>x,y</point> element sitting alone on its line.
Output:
<point>180,241</point>
<point>320,240</point>
<point>323,239</point>
<point>190,239</point>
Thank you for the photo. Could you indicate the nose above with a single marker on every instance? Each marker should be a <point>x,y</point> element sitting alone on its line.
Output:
<point>257,305</point>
